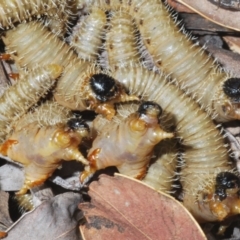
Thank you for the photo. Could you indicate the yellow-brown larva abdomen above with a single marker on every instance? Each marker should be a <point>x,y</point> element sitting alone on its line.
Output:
<point>88,35</point>
<point>41,150</point>
<point>131,157</point>
<point>121,40</point>
<point>28,90</point>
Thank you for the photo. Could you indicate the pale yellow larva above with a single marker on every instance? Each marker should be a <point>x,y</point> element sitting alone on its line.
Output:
<point>42,149</point>
<point>121,40</point>
<point>205,155</point>
<point>82,86</point>
<point>15,11</point>
<point>193,69</point>
<point>87,37</point>
<point>28,90</point>
<point>131,157</point>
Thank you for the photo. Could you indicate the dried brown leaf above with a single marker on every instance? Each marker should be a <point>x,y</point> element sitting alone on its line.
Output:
<point>178,6</point>
<point>233,43</point>
<point>223,17</point>
<point>54,219</point>
<point>123,208</point>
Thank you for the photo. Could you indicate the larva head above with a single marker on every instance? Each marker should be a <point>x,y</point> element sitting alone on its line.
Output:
<point>151,109</point>
<point>104,86</point>
<point>228,100</point>
<point>223,197</point>
<point>79,125</point>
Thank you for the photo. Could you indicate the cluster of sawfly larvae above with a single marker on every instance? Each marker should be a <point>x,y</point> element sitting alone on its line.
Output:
<point>143,112</point>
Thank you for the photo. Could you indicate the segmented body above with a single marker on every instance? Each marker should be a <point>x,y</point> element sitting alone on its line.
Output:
<point>87,37</point>
<point>41,149</point>
<point>28,90</point>
<point>205,155</point>
<point>121,40</point>
<point>14,11</point>
<point>131,157</point>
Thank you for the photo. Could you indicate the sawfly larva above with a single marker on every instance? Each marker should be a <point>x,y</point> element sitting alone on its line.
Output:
<point>121,40</point>
<point>131,157</point>
<point>205,155</point>
<point>88,35</point>
<point>15,11</point>
<point>28,90</point>
<point>42,149</point>
<point>191,67</point>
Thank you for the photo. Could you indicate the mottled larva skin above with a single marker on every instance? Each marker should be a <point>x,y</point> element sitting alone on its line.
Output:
<point>28,90</point>
<point>162,173</point>
<point>14,11</point>
<point>121,40</point>
<point>205,155</point>
<point>175,53</point>
<point>41,150</point>
<point>88,35</point>
<point>131,157</point>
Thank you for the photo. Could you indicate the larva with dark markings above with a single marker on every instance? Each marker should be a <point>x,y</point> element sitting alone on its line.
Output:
<point>15,11</point>
<point>189,64</point>
<point>28,90</point>
<point>131,157</point>
<point>42,149</point>
<point>121,40</point>
<point>87,37</point>
<point>205,156</point>
<point>82,85</point>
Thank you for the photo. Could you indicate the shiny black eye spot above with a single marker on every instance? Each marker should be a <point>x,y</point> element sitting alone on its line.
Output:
<point>103,86</point>
<point>221,193</point>
<point>148,106</point>
<point>77,123</point>
<point>231,88</point>
<point>227,180</point>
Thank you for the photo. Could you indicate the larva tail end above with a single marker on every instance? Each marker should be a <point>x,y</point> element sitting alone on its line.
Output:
<point>25,202</point>
<point>55,70</point>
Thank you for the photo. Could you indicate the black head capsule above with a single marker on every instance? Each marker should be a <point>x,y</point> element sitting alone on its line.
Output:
<point>77,123</point>
<point>221,193</point>
<point>104,86</point>
<point>227,180</point>
<point>149,107</point>
<point>231,88</point>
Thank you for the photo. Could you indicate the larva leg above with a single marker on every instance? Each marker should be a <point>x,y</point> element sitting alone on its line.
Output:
<point>175,53</point>
<point>205,155</point>
<point>130,157</point>
<point>41,149</point>
<point>121,40</point>
<point>88,35</point>
<point>28,90</point>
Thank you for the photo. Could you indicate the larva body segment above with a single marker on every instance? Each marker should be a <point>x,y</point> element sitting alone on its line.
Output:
<point>162,173</point>
<point>14,11</point>
<point>88,35</point>
<point>121,40</point>
<point>28,90</point>
<point>131,157</point>
<point>41,149</point>
<point>187,63</point>
<point>205,155</point>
